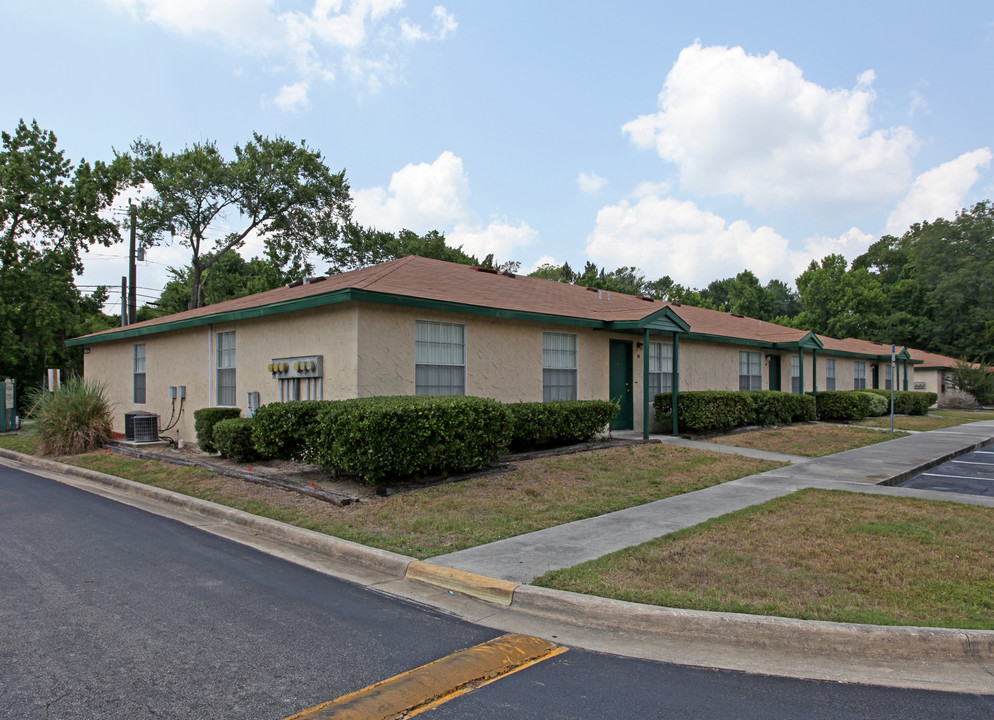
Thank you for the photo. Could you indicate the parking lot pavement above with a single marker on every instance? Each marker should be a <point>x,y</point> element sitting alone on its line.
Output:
<point>971,474</point>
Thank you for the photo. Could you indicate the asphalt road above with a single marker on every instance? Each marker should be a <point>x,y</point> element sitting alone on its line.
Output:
<point>972,474</point>
<point>107,611</point>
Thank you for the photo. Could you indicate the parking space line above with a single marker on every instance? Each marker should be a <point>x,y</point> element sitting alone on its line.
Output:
<point>955,477</point>
<point>430,685</point>
<point>969,462</point>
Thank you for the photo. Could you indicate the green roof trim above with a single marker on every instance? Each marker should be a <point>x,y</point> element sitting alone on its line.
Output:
<point>663,320</point>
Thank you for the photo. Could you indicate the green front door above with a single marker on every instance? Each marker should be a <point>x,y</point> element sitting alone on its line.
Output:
<point>620,384</point>
<point>876,376</point>
<point>775,372</point>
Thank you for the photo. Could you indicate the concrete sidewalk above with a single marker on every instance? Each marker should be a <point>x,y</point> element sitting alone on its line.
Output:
<point>868,469</point>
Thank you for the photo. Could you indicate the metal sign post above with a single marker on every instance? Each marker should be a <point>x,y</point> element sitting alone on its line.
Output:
<point>893,376</point>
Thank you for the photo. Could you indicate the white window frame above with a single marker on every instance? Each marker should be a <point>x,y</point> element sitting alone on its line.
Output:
<point>859,375</point>
<point>227,394</point>
<point>560,366</point>
<point>439,361</point>
<point>795,374</point>
<point>660,368</point>
<point>888,377</point>
<point>138,370</point>
<point>750,370</point>
<point>830,374</point>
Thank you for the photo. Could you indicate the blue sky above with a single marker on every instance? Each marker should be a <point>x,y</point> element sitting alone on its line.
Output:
<point>693,140</point>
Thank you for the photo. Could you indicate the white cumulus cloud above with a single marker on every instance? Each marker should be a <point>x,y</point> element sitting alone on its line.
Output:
<point>939,192</point>
<point>435,196</point>
<point>665,236</point>
<point>590,182</point>
<point>360,37</point>
<point>753,126</point>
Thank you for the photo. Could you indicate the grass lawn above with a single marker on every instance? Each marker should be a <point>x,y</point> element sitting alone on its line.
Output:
<point>24,443</point>
<point>818,555</point>
<point>541,493</point>
<point>915,422</point>
<point>806,440</point>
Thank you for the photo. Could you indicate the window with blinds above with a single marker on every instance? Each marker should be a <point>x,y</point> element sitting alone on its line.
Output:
<point>859,376</point>
<point>750,370</point>
<point>138,370</point>
<point>558,366</point>
<point>226,369</point>
<point>439,358</point>
<point>830,374</point>
<point>660,368</point>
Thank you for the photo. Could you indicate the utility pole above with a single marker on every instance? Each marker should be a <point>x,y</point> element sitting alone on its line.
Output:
<point>132,271</point>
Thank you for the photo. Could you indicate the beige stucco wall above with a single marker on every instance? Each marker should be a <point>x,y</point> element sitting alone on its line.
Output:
<point>503,357</point>
<point>188,357</point>
<point>948,396</point>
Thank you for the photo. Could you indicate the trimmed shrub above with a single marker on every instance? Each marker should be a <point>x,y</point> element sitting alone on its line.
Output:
<point>707,410</point>
<point>553,424</point>
<point>781,408</point>
<point>233,439</point>
<point>843,405</point>
<point>878,406</point>
<point>907,402</point>
<point>204,421</point>
<point>397,437</point>
<point>284,430</point>
<point>74,419</point>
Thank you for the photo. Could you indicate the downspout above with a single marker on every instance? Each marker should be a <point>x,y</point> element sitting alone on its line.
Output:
<point>645,384</point>
<point>676,381</point>
<point>210,360</point>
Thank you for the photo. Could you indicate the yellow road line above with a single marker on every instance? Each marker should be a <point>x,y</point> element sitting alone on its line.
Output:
<point>430,685</point>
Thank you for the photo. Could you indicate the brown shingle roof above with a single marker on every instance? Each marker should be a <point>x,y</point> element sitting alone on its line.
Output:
<point>427,279</point>
<point>715,322</point>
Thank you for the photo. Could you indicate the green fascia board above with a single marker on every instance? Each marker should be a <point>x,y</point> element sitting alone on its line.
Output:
<point>357,295</point>
<point>733,340</point>
<point>808,342</point>
<point>663,320</point>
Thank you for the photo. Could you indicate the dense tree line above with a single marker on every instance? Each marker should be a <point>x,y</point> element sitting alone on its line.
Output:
<point>932,288</point>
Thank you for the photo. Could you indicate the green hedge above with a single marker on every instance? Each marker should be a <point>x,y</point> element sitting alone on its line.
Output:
<point>781,408</point>
<point>233,439</point>
<point>843,405</point>
<point>719,410</point>
<point>707,410</point>
<point>204,421</point>
<point>907,402</point>
<point>552,424</point>
<point>284,430</point>
<point>878,406</point>
<point>384,438</point>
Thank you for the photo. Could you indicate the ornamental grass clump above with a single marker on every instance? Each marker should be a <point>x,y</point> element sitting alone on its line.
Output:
<point>74,419</point>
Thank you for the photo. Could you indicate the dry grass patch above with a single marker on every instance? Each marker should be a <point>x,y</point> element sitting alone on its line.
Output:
<point>541,493</point>
<point>818,555</point>
<point>935,420</point>
<point>807,440</point>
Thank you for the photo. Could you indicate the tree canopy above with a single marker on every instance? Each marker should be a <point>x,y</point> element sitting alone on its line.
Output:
<point>50,211</point>
<point>274,188</point>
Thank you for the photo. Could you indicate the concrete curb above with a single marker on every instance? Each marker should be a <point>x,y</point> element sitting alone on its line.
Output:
<point>834,642</point>
<point>808,638</point>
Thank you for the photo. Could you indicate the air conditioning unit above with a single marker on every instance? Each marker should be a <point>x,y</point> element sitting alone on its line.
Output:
<point>141,426</point>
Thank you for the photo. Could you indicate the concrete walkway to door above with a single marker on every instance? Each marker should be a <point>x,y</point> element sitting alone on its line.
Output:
<point>872,469</point>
